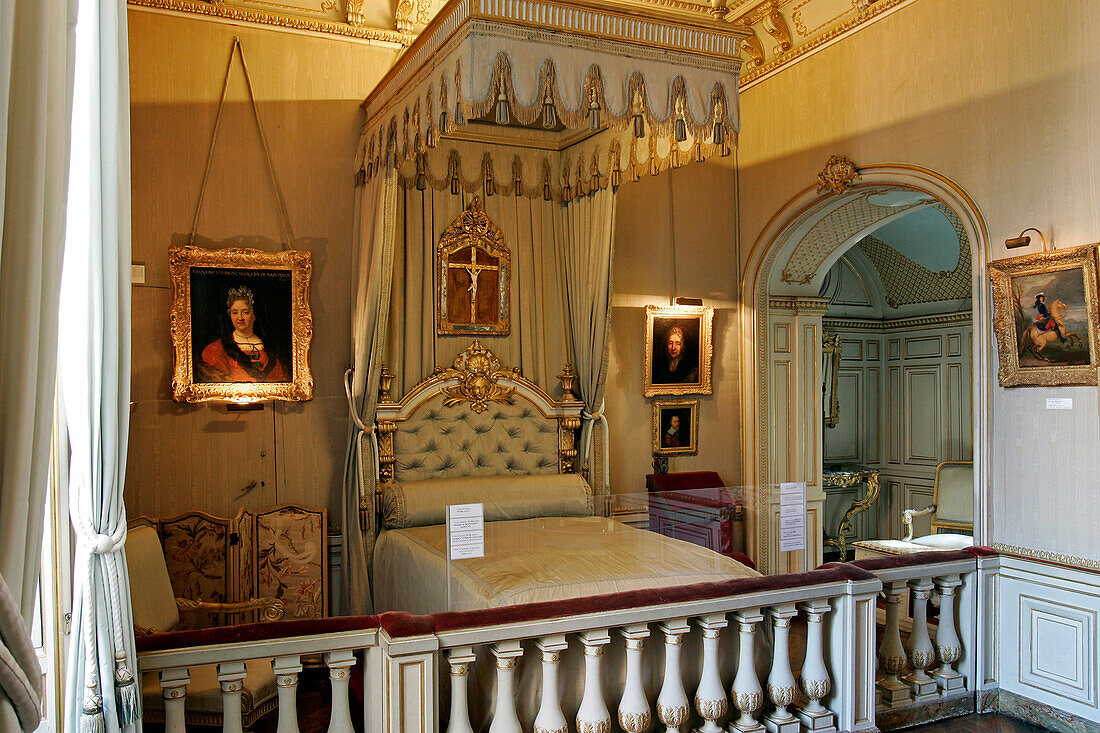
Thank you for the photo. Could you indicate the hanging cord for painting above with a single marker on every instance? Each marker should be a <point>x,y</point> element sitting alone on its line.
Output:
<point>284,216</point>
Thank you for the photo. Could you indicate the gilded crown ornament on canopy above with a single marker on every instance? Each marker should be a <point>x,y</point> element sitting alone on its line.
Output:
<point>477,370</point>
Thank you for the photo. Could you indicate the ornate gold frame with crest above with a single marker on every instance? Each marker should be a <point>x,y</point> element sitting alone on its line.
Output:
<point>278,283</point>
<point>695,323</point>
<point>1031,356</point>
<point>487,258</point>
<point>661,408</point>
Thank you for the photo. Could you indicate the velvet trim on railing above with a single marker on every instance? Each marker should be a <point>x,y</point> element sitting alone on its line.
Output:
<point>919,558</point>
<point>453,621</point>
<point>263,631</point>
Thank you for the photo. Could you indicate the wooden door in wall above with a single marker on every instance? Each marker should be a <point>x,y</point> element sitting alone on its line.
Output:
<point>205,458</point>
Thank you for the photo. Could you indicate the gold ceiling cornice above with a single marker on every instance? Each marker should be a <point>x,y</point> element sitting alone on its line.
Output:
<point>289,22</point>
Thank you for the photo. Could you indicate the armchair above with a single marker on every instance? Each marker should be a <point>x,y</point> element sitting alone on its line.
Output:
<point>156,610</point>
<point>952,509</point>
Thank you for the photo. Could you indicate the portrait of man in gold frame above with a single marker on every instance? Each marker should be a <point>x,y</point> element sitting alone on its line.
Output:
<point>241,325</point>
<point>1046,318</point>
<point>678,350</point>
<point>675,427</point>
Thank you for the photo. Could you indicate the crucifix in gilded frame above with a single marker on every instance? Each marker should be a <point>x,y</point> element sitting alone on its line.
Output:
<point>473,271</point>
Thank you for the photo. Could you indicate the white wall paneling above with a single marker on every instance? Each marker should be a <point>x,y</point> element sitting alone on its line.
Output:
<point>1047,624</point>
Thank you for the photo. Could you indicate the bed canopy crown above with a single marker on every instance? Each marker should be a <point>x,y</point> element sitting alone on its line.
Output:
<point>554,98</point>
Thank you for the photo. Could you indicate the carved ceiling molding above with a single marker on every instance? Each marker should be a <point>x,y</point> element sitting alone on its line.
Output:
<point>353,29</point>
<point>799,27</point>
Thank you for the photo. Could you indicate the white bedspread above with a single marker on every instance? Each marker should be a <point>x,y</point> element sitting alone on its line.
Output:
<point>536,560</point>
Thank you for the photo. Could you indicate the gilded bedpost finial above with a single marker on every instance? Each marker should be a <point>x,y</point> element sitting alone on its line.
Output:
<point>838,174</point>
<point>385,382</point>
<point>568,379</point>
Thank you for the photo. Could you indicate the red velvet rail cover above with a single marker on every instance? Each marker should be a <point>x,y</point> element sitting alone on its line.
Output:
<point>263,631</point>
<point>403,625</point>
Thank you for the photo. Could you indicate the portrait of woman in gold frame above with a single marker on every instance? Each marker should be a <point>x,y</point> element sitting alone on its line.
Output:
<point>1046,318</point>
<point>675,427</point>
<point>677,350</point>
<point>241,325</point>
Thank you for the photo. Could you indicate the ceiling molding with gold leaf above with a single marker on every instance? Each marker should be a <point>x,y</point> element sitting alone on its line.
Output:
<point>344,18</point>
<point>786,30</point>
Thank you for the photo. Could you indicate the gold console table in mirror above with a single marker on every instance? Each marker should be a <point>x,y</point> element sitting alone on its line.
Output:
<point>837,476</point>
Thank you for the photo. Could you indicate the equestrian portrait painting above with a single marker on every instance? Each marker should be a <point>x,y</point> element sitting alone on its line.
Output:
<point>1046,318</point>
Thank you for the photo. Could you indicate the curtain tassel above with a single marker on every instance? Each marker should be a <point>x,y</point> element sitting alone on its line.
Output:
<point>92,719</point>
<point>719,133</point>
<point>502,108</point>
<point>421,177</point>
<point>616,173</point>
<point>460,117</point>
<point>681,130</point>
<point>639,125</point>
<point>699,157</point>
<point>549,116</point>
<point>361,178</point>
<point>127,694</point>
<point>594,112</point>
<point>443,122</point>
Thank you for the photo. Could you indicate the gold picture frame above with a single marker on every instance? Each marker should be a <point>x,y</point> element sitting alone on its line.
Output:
<point>675,427</point>
<point>1046,318</point>
<point>689,371</point>
<point>268,293</point>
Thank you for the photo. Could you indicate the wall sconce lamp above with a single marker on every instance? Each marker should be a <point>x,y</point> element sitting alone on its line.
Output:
<point>1023,240</point>
<point>688,301</point>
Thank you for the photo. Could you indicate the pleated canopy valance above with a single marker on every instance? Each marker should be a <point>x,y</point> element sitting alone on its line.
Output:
<point>554,97</point>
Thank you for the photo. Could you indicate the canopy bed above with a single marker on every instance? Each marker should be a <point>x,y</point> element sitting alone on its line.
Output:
<point>488,169</point>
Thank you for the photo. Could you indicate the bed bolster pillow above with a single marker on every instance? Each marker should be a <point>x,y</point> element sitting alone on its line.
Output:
<point>421,503</point>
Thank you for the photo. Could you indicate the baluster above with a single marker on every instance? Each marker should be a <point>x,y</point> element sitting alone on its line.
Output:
<point>460,659</point>
<point>710,698</point>
<point>592,716</point>
<point>339,675</point>
<point>781,683</point>
<point>231,678</point>
<point>505,719</point>
<point>286,671</point>
<point>672,701</point>
<point>748,696</point>
<point>921,653</point>
<point>634,713</point>
<point>550,718</point>
<point>173,685</point>
<point>815,677</point>
<point>891,653</point>
<point>947,638</point>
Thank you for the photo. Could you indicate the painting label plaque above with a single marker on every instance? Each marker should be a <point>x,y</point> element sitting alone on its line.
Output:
<point>792,516</point>
<point>1059,403</point>
<point>465,531</point>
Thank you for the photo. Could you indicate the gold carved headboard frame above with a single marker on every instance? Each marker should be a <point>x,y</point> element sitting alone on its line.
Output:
<point>477,378</point>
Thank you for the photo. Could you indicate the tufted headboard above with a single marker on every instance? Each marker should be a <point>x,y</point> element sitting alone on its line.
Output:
<point>477,419</point>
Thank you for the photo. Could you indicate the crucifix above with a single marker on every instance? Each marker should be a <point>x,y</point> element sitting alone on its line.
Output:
<point>474,269</point>
<point>472,258</point>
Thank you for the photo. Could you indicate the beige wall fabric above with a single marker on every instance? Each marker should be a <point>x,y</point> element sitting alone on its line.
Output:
<point>1015,131</point>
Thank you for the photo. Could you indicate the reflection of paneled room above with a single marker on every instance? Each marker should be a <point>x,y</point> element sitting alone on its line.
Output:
<point>549,365</point>
<point>899,302</point>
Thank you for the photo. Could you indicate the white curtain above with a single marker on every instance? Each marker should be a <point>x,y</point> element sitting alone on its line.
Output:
<point>586,247</point>
<point>36,82</point>
<point>375,216</point>
<point>94,354</point>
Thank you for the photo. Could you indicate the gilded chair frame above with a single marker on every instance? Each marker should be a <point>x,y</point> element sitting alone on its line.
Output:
<point>938,525</point>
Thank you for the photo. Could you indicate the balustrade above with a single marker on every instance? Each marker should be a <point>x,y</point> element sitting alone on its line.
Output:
<point>402,666</point>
